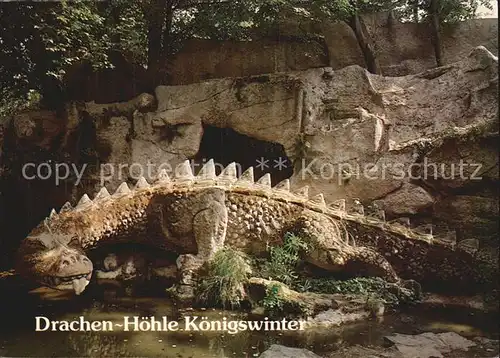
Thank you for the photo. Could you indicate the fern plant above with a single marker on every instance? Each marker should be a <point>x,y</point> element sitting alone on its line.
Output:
<point>284,259</point>
<point>272,302</point>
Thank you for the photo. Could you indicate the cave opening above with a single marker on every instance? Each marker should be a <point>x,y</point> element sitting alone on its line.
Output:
<point>225,145</point>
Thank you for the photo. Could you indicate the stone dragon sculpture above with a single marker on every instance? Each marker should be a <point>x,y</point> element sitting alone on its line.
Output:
<point>195,216</point>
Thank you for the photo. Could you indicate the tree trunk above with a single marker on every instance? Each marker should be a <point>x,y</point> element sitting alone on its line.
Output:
<point>167,32</point>
<point>50,88</point>
<point>365,43</point>
<point>415,11</point>
<point>436,33</point>
<point>155,17</point>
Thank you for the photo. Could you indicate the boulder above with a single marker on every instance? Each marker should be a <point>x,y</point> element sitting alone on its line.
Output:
<point>409,199</point>
<point>279,351</point>
<point>427,345</point>
<point>294,303</point>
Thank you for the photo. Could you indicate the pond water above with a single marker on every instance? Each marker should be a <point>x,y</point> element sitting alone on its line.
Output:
<point>19,338</point>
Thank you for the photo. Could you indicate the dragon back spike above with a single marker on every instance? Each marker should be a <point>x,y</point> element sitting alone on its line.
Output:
<point>302,192</point>
<point>142,183</point>
<point>470,245</point>
<point>122,189</point>
<point>66,207</point>
<point>183,172</point>
<point>357,208</point>
<point>317,200</point>
<point>162,177</point>
<point>337,205</point>
<point>52,214</point>
<point>46,224</point>
<point>228,174</point>
<point>84,203</point>
<point>102,194</point>
<point>264,181</point>
<point>207,172</point>
<point>424,229</point>
<point>246,178</point>
<point>374,212</point>
<point>449,236</point>
<point>401,221</point>
<point>283,185</point>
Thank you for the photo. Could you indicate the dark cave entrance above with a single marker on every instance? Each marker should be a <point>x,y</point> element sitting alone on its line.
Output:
<point>225,145</point>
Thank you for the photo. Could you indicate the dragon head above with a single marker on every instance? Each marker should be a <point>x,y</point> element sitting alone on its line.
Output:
<point>54,263</point>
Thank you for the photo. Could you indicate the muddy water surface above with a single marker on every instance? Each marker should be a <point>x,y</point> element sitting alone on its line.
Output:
<point>19,338</point>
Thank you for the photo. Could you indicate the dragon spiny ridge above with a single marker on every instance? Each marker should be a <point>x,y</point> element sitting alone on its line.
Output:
<point>194,216</point>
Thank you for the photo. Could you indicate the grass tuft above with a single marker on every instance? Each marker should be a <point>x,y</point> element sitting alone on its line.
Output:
<point>222,285</point>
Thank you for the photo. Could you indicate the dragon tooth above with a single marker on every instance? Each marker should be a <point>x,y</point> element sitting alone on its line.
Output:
<point>317,200</point>
<point>66,207</point>
<point>265,180</point>
<point>102,194</point>
<point>79,285</point>
<point>207,172</point>
<point>283,185</point>
<point>247,177</point>
<point>122,189</point>
<point>337,205</point>
<point>302,192</point>
<point>228,174</point>
<point>162,177</point>
<point>184,172</point>
<point>141,183</point>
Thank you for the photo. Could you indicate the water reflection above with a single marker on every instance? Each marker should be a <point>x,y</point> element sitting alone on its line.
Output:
<point>18,337</point>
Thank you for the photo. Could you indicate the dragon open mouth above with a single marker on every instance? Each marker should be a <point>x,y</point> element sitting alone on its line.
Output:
<point>76,283</point>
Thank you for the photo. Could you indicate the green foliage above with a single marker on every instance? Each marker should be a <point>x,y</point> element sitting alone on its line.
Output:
<point>282,264</point>
<point>284,259</point>
<point>452,11</point>
<point>71,33</point>
<point>222,285</point>
<point>449,11</point>
<point>126,28</point>
<point>364,286</point>
<point>10,104</point>
<point>272,302</point>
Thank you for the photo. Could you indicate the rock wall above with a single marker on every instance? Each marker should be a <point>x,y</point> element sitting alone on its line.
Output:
<point>401,49</point>
<point>200,60</point>
<point>395,141</point>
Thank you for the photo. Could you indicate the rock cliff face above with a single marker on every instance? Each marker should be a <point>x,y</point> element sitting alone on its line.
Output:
<point>420,146</point>
<point>400,49</point>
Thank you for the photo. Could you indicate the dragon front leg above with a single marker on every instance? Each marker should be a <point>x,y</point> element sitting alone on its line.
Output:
<point>209,230</point>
